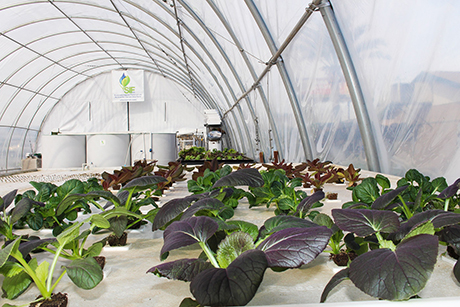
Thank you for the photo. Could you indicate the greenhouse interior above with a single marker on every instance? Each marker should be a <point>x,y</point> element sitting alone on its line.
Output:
<point>228,153</point>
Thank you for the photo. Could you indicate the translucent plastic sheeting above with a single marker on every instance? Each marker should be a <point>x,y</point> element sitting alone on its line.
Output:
<point>89,108</point>
<point>406,56</point>
<point>56,59</point>
<point>323,94</point>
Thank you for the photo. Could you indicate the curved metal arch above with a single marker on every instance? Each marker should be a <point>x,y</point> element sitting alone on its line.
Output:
<point>74,66</point>
<point>302,128</point>
<point>161,4</point>
<point>170,75</point>
<point>253,74</point>
<point>65,46</point>
<point>168,40</point>
<point>232,69</point>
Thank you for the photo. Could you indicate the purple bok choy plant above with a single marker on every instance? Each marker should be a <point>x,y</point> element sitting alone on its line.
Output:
<point>210,203</point>
<point>407,252</point>
<point>231,274</point>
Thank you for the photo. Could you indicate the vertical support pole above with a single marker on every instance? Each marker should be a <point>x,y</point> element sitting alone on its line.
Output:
<point>362,115</point>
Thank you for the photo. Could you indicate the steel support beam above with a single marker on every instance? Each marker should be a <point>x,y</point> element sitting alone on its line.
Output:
<point>276,55</point>
<point>357,98</point>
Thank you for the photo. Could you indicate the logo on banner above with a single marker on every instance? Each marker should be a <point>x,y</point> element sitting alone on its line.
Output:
<point>124,82</point>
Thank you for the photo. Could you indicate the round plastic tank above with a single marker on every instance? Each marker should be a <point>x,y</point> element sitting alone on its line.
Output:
<point>63,151</point>
<point>164,147</point>
<point>108,150</point>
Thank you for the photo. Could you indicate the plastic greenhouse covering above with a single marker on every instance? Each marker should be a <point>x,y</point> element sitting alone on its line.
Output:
<point>375,83</point>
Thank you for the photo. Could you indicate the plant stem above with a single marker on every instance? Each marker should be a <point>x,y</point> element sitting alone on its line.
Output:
<point>52,268</point>
<point>446,204</point>
<point>208,253</point>
<point>128,200</point>
<point>57,281</point>
<point>405,209</point>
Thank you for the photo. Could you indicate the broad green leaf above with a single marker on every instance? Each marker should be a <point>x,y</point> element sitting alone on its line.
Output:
<point>14,286</point>
<point>188,302</point>
<point>69,234</point>
<point>7,250</point>
<point>383,181</point>
<point>367,191</point>
<point>94,250</point>
<point>99,221</point>
<point>424,228</point>
<point>42,271</point>
<point>35,221</point>
<point>85,273</point>
<point>232,246</point>
<point>72,186</point>
<point>247,227</point>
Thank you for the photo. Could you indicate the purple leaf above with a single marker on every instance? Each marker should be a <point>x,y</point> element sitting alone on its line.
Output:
<point>205,203</point>
<point>335,280</point>
<point>364,222</point>
<point>234,286</point>
<point>457,270</point>
<point>385,199</point>
<point>293,247</point>
<point>183,269</point>
<point>187,232</point>
<point>245,176</point>
<point>308,202</point>
<point>171,210</point>
<point>450,190</point>
<point>396,275</point>
<point>439,218</point>
<point>144,182</point>
<point>281,222</point>
<point>8,199</point>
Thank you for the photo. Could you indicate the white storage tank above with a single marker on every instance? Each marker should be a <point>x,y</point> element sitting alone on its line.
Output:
<point>108,150</point>
<point>63,151</point>
<point>164,147</point>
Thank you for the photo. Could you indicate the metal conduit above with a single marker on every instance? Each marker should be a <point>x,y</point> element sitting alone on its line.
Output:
<point>276,54</point>
<point>225,57</point>
<point>357,98</point>
<point>253,74</point>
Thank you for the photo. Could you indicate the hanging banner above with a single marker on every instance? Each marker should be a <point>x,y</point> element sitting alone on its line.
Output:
<point>127,85</point>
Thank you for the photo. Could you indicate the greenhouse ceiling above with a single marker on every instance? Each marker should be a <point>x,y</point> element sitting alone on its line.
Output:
<point>375,83</point>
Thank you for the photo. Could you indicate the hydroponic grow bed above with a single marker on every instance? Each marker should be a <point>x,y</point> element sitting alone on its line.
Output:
<point>126,282</point>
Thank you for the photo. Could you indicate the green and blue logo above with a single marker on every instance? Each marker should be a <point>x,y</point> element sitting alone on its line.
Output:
<point>124,81</point>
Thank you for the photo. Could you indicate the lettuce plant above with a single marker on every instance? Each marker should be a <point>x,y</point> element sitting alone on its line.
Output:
<point>122,210</point>
<point>232,273</point>
<point>20,273</point>
<point>8,219</point>
<point>278,189</point>
<point>46,199</point>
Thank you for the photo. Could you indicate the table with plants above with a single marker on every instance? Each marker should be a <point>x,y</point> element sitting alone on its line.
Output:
<point>222,235</point>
